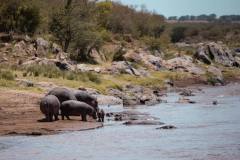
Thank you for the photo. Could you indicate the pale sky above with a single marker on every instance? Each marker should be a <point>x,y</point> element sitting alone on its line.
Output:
<point>188,7</point>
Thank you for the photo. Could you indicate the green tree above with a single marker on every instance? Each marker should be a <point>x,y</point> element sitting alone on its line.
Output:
<point>178,34</point>
<point>19,16</point>
<point>63,25</point>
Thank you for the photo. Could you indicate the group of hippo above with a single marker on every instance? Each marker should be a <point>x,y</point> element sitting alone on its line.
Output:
<point>70,103</point>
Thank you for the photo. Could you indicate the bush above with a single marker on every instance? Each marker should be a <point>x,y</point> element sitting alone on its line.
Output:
<point>93,77</point>
<point>7,75</point>
<point>152,43</point>
<point>178,34</point>
<point>19,16</point>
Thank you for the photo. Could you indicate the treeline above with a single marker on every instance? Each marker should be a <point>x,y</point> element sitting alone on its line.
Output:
<point>208,18</point>
<point>79,25</point>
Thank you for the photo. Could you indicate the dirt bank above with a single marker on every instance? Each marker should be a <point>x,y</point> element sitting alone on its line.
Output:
<point>19,112</point>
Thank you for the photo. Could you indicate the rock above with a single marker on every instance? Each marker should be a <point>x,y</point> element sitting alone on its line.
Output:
<point>185,100</point>
<point>143,122</point>
<point>56,48</point>
<point>187,93</point>
<point>88,68</point>
<point>34,134</point>
<point>130,116</point>
<point>25,83</point>
<point>215,52</point>
<point>108,100</point>
<point>167,127</point>
<point>237,50</point>
<point>40,42</point>
<point>216,75</point>
<point>202,55</point>
<point>63,65</point>
<point>183,64</point>
<point>3,59</point>
<point>42,46</point>
<point>151,61</point>
<point>124,67</point>
<point>215,103</point>
<point>132,56</point>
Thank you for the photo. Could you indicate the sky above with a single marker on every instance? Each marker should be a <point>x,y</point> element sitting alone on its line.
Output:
<point>188,7</point>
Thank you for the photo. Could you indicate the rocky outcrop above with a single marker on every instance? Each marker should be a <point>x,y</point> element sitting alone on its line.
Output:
<point>183,64</point>
<point>124,67</point>
<point>144,56</point>
<point>137,95</point>
<point>216,53</point>
<point>63,65</point>
<point>215,75</point>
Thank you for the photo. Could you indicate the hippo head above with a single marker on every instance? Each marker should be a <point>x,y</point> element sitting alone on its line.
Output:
<point>94,114</point>
<point>94,103</point>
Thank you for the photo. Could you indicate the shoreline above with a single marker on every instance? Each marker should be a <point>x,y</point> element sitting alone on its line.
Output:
<point>19,115</point>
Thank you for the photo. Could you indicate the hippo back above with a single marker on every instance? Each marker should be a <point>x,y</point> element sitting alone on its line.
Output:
<point>85,97</point>
<point>63,94</point>
<point>50,103</point>
<point>75,108</point>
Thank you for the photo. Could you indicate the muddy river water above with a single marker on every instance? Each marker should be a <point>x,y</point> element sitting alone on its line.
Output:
<point>204,132</point>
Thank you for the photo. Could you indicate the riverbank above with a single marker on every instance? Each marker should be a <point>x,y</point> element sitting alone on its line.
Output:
<point>204,131</point>
<point>19,115</point>
<point>20,112</point>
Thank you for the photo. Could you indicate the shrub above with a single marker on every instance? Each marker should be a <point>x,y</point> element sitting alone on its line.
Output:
<point>93,77</point>
<point>7,75</point>
<point>152,43</point>
<point>178,34</point>
<point>19,16</point>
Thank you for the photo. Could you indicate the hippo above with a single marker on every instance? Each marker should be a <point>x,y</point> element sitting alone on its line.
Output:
<point>85,97</point>
<point>49,106</point>
<point>63,94</point>
<point>101,115</point>
<point>76,108</point>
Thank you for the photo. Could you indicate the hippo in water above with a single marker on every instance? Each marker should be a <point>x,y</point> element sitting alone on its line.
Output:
<point>85,97</point>
<point>63,94</point>
<point>49,106</point>
<point>101,115</point>
<point>76,108</point>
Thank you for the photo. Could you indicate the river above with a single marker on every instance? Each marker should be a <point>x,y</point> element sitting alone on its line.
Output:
<point>204,132</point>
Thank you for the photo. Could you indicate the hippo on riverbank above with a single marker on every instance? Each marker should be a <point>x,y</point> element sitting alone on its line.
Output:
<point>63,94</point>
<point>85,97</point>
<point>49,106</point>
<point>101,115</point>
<point>76,108</point>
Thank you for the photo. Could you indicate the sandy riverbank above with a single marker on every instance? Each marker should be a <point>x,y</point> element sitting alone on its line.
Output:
<point>19,115</point>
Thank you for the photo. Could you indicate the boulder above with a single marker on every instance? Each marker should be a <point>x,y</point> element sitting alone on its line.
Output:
<point>187,93</point>
<point>167,127</point>
<point>89,68</point>
<point>63,65</point>
<point>124,67</point>
<point>42,46</point>
<point>40,42</point>
<point>185,101</point>
<point>108,100</point>
<point>183,64</point>
<point>215,52</point>
<point>215,102</point>
<point>151,61</point>
<point>215,75</point>
<point>56,48</point>
<point>130,116</point>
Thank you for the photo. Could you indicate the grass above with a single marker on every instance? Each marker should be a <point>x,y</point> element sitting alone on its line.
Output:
<point>100,82</point>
